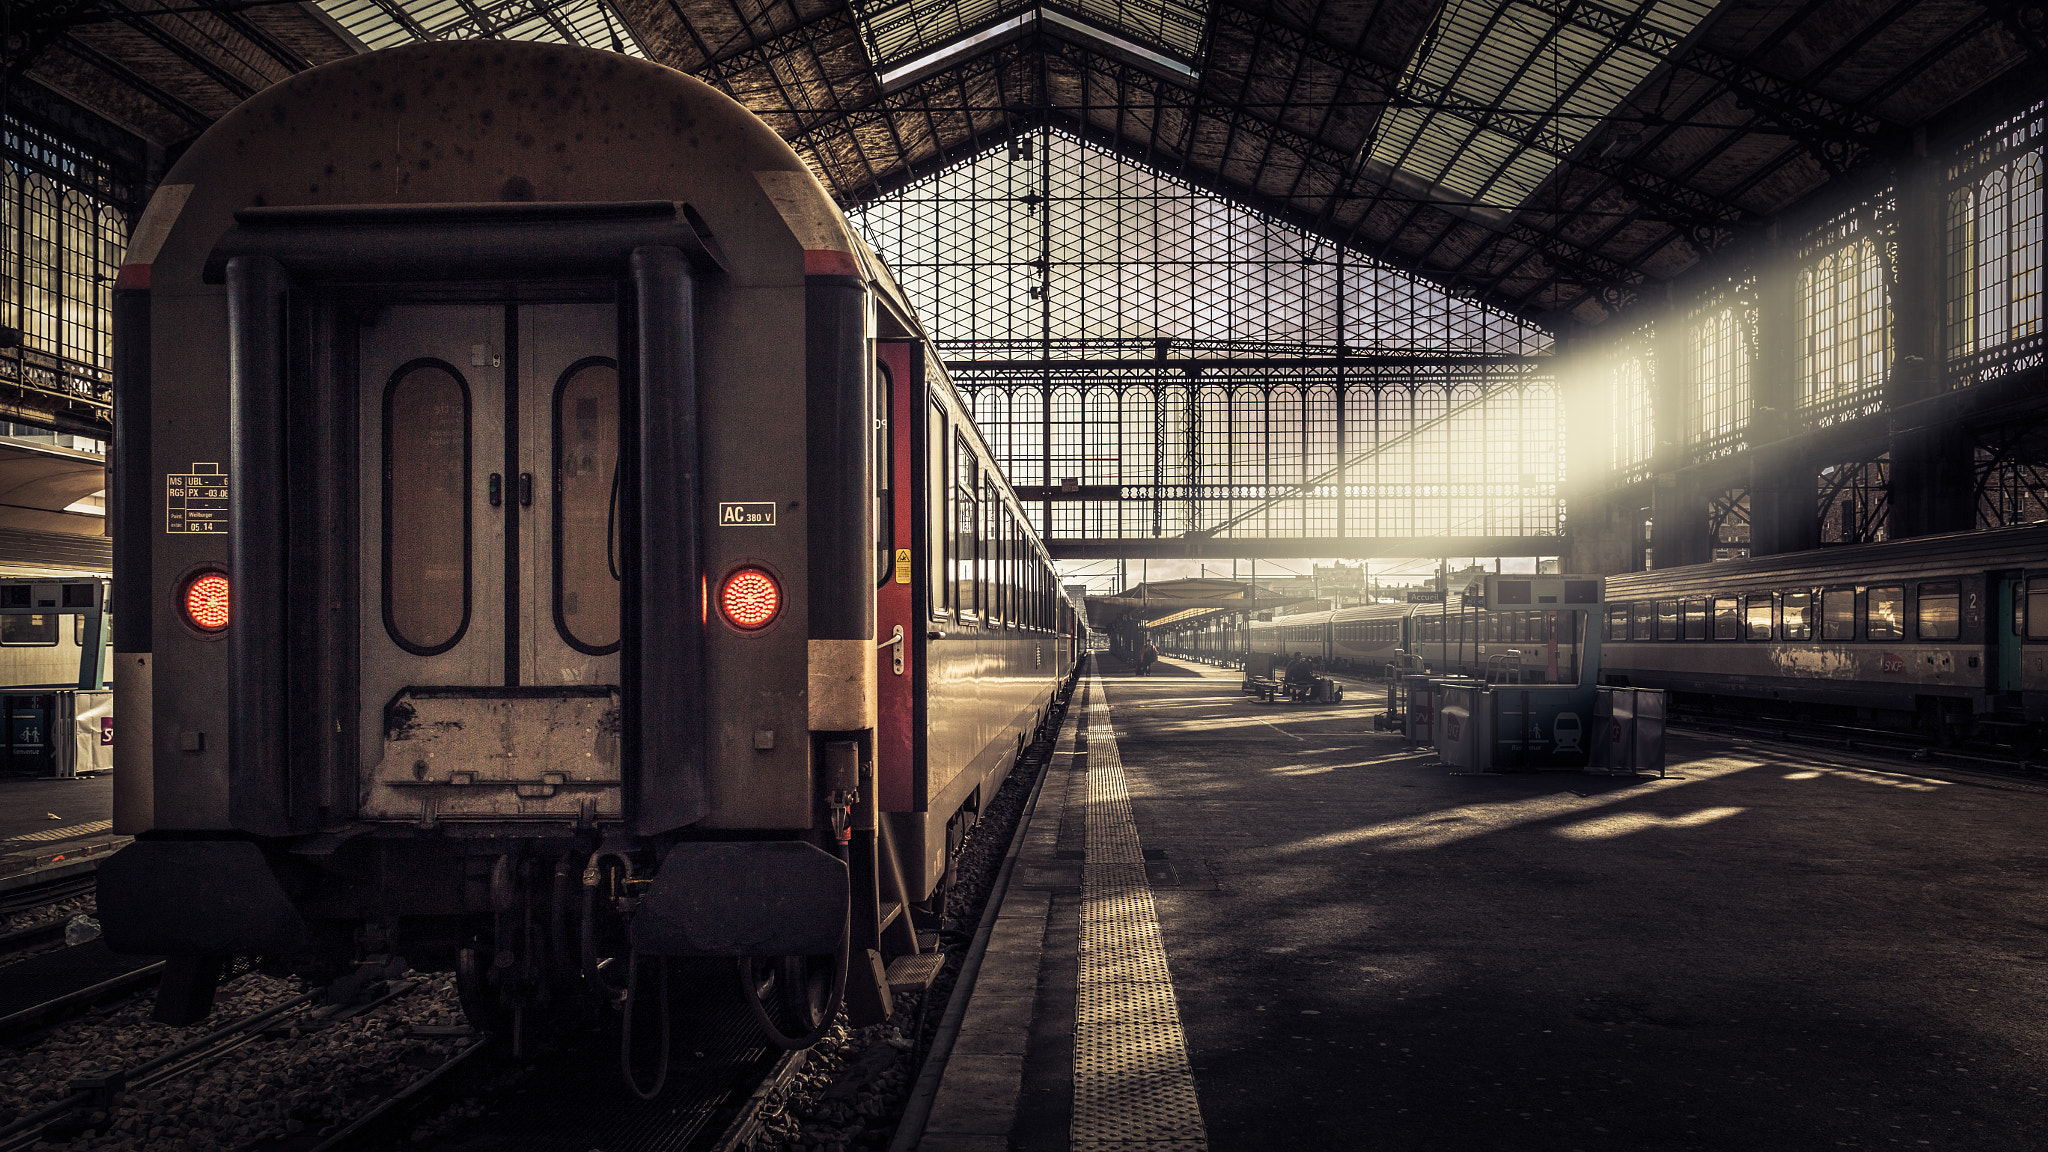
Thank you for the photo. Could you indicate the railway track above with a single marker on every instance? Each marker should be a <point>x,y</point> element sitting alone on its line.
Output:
<point>98,1093</point>
<point>46,979</point>
<point>1873,743</point>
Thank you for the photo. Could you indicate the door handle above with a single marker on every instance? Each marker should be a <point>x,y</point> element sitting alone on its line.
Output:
<point>895,641</point>
<point>497,489</point>
<point>526,489</point>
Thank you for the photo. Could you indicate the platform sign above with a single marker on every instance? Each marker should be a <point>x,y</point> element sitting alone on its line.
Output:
<point>1425,596</point>
<point>1510,593</point>
<point>196,502</point>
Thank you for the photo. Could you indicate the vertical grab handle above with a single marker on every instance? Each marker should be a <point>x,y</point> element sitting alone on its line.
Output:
<point>526,489</point>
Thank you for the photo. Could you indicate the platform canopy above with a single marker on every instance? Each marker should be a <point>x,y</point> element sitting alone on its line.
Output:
<point>1163,602</point>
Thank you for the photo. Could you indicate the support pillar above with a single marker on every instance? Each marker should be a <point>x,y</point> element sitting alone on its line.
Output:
<point>1783,496</point>
<point>1933,473</point>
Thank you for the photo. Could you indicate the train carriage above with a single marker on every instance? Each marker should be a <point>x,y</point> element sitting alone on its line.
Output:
<point>545,536</point>
<point>1945,633</point>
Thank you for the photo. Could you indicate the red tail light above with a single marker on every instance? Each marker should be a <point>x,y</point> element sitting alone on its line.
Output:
<point>206,601</point>
<point>750,598</point>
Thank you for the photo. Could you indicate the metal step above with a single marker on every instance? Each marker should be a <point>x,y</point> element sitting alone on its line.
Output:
<point>915,973</point>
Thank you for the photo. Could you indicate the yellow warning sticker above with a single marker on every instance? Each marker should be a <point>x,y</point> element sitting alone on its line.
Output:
<point>903,565</point>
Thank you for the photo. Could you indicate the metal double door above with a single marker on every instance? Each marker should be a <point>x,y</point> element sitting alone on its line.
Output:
<point>489,562</point>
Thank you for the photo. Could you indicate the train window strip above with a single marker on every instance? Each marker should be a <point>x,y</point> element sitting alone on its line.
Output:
<point>1838,614</point>
<point>29,631</point>
<point>1727,618</point>
<point>1938,611</point>
<point>2037,608</point>
<point>966,515</point>
<point>985,577</point>
<point>1885,614</point>
<point>1797,612</point>
<point>938,542</point>
<point>1759,609</point>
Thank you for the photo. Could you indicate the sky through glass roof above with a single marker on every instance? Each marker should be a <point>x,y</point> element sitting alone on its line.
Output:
<point>387,23</point>
<point>896,30</point>
<point>1501,65</point>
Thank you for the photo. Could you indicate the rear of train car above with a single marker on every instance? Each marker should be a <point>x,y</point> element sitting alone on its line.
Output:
<point>543,535</point>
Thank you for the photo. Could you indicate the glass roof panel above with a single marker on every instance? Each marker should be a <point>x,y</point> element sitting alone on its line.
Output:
<point>1500,66</point>
<point>386,23</point>
<point>1125,257</point>
<point>896,30</point>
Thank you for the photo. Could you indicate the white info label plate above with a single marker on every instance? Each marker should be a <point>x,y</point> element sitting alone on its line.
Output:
<point>196,502</point>
<point>760,514</point>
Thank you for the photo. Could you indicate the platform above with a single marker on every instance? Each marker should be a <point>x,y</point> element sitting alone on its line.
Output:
<point>32,842</point>
<point>1295,932</point>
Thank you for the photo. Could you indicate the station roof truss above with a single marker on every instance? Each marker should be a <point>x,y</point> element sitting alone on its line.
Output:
<point>1549,158</point>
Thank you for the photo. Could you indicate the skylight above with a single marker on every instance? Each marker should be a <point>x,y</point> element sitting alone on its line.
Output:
<point>387,23</point>
<point>896,31</point>
<point>1489,70</point>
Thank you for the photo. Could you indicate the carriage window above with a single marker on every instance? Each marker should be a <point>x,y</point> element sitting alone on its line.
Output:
<point>989,576</point>
<point>1798,616</point>
<point>1013,552</point>
<point>2037,607</point>
<point>1885,618</point>
<point>1667,619</point>
<point>936,538</point>
<point>426,508</point>
<point>1029,585</point>
<point>994,550</point>
<point>1617,622</point>
<point>1693,619</point>
<point>25,631</point>
<point>586,496</point>
<point>1758,609</point>
<point>1940,618</point>
<point>1727,619</point>
<point>1838,614</point>
<point>1644,617</point>
<point>966,520</point>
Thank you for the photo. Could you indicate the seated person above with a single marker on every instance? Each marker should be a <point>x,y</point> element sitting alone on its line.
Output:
<point>1300,670</point>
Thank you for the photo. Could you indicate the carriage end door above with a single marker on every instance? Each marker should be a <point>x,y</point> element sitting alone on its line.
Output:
<point>489,562</point>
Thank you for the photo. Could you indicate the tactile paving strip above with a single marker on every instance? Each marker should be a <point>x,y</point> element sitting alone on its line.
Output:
<point>64,833</point>
<point>1133,1088</point>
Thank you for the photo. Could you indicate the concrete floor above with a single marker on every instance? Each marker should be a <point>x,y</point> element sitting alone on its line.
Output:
<point>26,805</point>
<point>1772,949</point>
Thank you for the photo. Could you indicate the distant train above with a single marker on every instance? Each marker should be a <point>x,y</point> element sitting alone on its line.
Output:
<point>1947,635</point>
<point>1527,646</point>
<point>547,540</point>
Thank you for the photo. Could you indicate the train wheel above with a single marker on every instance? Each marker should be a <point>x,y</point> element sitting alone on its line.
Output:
<point>793,998</point>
